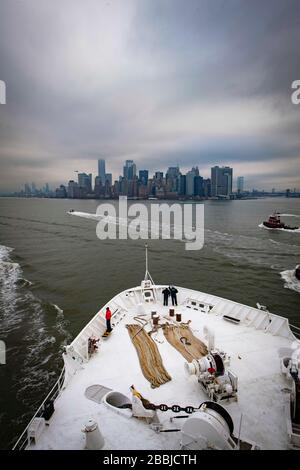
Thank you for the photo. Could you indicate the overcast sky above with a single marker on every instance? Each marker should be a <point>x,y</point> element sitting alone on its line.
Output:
<point>163,82</point>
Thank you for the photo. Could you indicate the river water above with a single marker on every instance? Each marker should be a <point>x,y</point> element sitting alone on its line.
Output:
<point>55,274</point>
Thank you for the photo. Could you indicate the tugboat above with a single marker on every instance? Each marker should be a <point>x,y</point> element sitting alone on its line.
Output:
<point>274,222</point>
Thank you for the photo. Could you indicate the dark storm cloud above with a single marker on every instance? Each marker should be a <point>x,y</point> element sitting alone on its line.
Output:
<point>198,82</point>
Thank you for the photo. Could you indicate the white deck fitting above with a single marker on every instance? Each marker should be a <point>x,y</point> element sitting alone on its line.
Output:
<point>255,359</point>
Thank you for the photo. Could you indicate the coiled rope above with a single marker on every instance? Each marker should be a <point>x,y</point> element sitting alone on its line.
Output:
<point>149,356</point>
<point>191,348</point>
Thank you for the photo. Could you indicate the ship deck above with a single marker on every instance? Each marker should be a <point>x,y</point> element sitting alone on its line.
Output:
<point>255,351</point>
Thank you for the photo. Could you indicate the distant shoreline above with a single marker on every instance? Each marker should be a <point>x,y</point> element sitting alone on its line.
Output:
<point>283,196</point>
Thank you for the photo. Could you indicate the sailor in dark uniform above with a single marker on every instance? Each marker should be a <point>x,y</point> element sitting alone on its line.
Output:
<point>173,292</point>
<point>166,293</point>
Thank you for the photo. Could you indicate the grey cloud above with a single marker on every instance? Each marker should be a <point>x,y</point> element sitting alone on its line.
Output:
<point>162,82</point>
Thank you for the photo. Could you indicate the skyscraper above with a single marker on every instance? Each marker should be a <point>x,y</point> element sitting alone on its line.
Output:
<point>172,178</point>
<point>182,185</point>
<point>85,182</point>
<point>73,189</point>
<point>198,186</point>
<point>61,192</point>
<point>129,170</point>
<point>108,178</point>
<point>101,170</point>
<point>33,189</point>
<point>143,177</point>
<point>190,183</point>
<point>99,187</point>
<point>240,184</point>
<point>207,187</point>
<point>159,175</point>
<point>27,190</point>
<point>221,181</point>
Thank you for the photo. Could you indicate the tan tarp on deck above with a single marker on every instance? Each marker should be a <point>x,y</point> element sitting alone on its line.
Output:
<point>182,338</point>
<point>149,356</point>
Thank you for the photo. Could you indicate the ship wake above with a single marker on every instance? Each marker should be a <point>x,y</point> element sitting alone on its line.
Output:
<point>290,280</point>
<point>297,230</point>
<point>34,331</point>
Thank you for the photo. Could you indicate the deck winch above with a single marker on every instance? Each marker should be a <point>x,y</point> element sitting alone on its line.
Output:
<point>218,383</point>
<point>210,428</point>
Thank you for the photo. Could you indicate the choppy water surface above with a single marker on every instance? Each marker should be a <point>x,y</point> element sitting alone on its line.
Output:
<point>55,273</point>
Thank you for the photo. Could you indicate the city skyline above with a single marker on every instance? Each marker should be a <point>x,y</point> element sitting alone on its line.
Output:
<point>139,183</point>
<point>205,172</point>
<point>198,84</point>
<point>237,183</point>
<point>171,181</point>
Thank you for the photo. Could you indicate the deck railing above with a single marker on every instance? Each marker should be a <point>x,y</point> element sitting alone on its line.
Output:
<point>295,330</point>
<point>24,439</point>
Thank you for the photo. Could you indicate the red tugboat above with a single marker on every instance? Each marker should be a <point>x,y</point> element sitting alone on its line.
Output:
<point>274,222</point>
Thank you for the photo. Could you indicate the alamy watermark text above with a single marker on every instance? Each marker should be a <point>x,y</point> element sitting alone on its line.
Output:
<point>2,92</point>
<point>295,97</point>
<point>183,222</point>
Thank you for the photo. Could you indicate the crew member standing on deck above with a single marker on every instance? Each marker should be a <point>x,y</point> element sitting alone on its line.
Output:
<point>108,318</point>
<point>174,293</point>
<point>166,293</point>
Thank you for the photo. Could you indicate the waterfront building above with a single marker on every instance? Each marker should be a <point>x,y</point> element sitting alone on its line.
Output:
<point>182,185</point>
<point>33,189</point>
<point>240,184</point>
<point>27,190</point>
<point>207,187</point>
<point>198,186</point>
<point>190,183</point>
<point>73,190</point>
<point>172,179</point>
<point>99,187</point>
<point>85,183</point>
<point>221,181</point>
<point>61,192</point>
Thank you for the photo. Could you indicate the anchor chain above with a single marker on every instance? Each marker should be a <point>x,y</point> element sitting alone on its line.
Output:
<point>174,408</point>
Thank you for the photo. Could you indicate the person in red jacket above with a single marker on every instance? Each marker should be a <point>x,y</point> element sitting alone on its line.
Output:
<point>108,318</point>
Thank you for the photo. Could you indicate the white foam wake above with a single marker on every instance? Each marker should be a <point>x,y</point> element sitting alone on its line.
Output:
<point>62,324</point>
<point>297,230</point>
<point>5,252</point>
<point>59,310</point>
<point>10,274</point>
<point>291,282</point>
<point>86,215</point>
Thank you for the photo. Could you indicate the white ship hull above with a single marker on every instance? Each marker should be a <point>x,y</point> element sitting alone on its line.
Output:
<point>256,341</point>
